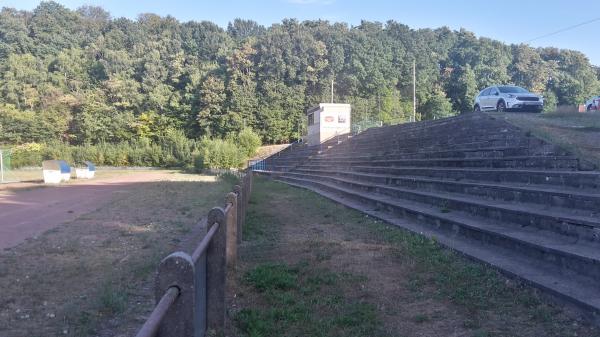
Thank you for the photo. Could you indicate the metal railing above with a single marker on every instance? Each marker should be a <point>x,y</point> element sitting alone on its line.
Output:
<point>190,289</point>
<point>257,165</point>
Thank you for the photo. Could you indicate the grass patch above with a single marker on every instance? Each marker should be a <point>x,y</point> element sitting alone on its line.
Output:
<point>312,267</point>
<point>270,277</point>
<point>304,301</point>
<point>112,299</point>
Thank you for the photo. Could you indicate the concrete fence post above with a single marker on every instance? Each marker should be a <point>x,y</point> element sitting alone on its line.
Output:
<point>177,270</point>
<point>240,210</point>
<point>216,271</point>
<point>231,219</point>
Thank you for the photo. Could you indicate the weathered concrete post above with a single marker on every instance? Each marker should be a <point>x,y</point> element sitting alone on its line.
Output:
<point>240,210</point>
<point>177,270</point>
<point>216,271</point>
<point>231,219</point>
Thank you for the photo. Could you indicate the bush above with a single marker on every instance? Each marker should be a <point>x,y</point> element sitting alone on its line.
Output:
<point>218,154</point>
<point>28,154</point>
<point>177,147</point>
<point>171,149</point>
<point>249,142</point>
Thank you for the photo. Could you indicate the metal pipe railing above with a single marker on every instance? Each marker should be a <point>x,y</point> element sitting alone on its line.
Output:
<point>150,327</point>
<point>201,249</point>
<point>191,290</point>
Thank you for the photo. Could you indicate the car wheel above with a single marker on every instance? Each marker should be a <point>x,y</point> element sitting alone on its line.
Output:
<point>477,108</point>
<point>589,108</point>
<point>501,107</point>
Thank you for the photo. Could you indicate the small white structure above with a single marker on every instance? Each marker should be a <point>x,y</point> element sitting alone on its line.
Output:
<point>326,121</point>
<point>56,171</point>
<point>87,172</point>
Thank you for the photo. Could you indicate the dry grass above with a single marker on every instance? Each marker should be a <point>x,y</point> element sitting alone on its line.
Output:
<point>93,276</point>
<point>267,150</point>
<point>578,133</point>
<point>311,267</point>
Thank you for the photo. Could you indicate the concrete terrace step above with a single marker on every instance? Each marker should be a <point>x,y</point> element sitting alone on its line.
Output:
<point>489,152</point>
<point>384,147</point>
<point>459,127</point>
<point>545,162</point>
<point>570,179</point>
<point>478,185</point>
<point>580,290</point>
<point>434,138</point>
<point>386,144</point>
<point>538,194</point>
<point>566,257</point>
<point>579,225</point>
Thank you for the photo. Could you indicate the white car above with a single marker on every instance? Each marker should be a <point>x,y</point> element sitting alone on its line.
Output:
<point>507,97</point>
<point>593,103</point>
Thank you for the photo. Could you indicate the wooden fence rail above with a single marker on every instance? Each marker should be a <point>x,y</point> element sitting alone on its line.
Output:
<point>190,289</point>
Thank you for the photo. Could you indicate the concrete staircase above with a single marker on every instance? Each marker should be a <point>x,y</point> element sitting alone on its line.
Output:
<point>297,153</point>
<point>478,185</point>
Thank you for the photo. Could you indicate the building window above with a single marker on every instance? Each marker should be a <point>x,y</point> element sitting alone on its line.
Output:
<point>311,119</point>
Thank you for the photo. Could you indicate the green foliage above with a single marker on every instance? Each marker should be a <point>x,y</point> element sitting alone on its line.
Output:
<point>83,78</point>
<point>550,101</point>
<point>248,141</point>
<point>26,154</point>
<point>174,152</point>
<point>437,106</point>
<point>218,154</point>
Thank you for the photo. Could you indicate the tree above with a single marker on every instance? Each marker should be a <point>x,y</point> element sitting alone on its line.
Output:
<point>462,88</point>
<point>84,77</point>
<point>212,97</point>
<point>437,106</point>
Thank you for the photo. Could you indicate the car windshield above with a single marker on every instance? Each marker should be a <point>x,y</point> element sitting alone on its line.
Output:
<point>512,90</point>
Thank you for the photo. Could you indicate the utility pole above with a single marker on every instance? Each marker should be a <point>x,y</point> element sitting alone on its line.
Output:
<point>331,90</point>
<point>414,116</point>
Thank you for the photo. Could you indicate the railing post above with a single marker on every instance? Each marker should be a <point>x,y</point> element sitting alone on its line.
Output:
<point>240,208</point>
<point>231,219</point>
<point>216,272</point>
<point>177,270</point>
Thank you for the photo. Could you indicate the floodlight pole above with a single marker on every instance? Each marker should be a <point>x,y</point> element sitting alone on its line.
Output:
<point>414,116</point>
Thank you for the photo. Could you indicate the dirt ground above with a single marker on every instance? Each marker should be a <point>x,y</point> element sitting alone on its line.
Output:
<point>92,274</point>
<point>413,287</point>
<point>28,212</point>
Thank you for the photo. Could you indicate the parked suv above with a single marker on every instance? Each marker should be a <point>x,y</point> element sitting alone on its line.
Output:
<point>508,97</point>
<point>593,103</point>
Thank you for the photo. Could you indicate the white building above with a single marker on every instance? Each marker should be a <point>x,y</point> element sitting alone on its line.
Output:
<point>327,120</point>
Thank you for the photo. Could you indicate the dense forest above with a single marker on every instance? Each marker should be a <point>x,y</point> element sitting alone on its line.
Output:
<point>84,78</point>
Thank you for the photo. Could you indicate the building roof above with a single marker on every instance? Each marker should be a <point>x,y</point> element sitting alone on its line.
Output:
<point>321,106</point>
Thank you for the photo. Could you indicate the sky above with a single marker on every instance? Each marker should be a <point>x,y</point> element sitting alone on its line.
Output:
<point>510,21</point>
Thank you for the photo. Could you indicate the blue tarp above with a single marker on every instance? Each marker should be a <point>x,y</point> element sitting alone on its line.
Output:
<point>64,167</point>
<point>91,167</point>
